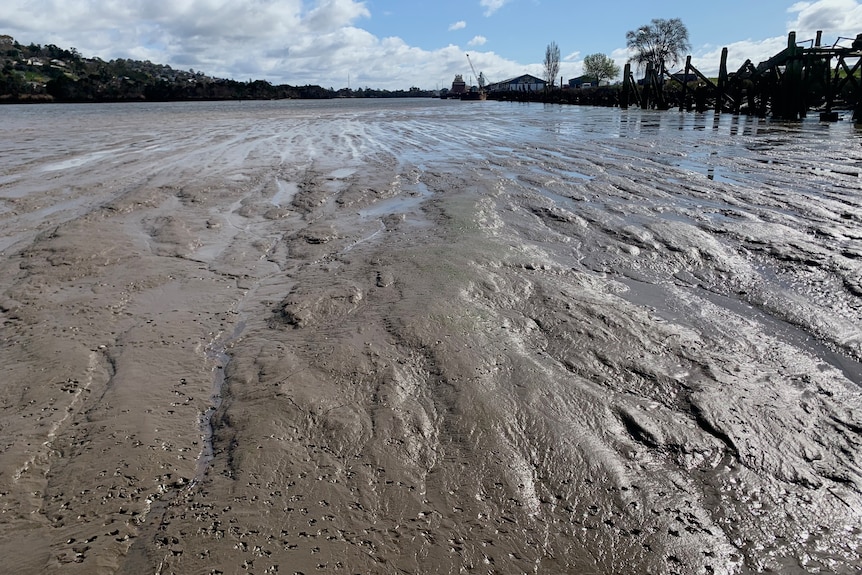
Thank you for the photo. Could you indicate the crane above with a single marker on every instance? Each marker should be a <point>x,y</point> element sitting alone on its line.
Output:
<point>479,80</point>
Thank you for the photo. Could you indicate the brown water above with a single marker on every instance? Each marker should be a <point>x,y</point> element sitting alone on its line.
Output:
<point>428,337</point>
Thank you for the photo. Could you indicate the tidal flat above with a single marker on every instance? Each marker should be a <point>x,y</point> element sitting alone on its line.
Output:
<point>428,337</point>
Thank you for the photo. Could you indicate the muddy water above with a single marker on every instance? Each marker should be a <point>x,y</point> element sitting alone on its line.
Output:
<point>428,337</point>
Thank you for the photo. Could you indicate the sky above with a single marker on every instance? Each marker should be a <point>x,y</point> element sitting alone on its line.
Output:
<point>397,44</point>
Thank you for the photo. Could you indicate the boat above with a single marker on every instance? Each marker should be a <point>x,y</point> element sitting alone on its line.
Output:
<point>474,95</point>
<point>459,87</point>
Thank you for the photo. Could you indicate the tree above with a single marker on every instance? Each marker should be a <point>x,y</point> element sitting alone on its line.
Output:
<point>552,63</point>
<point>659,42</point>
<point>601,66</point>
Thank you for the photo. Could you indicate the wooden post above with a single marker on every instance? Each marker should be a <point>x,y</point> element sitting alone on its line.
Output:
<point>828,115</point>
<point>624,97</point>
<point>658,89</point>
<point>647,91</point>
<point>791,105</point>
<point>722,82</point>
<point>684,103</point>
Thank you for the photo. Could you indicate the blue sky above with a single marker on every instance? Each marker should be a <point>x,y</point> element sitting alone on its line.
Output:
<point>401,43</point>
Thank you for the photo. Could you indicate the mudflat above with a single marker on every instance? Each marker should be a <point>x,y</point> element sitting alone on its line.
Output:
<point>428,337</point>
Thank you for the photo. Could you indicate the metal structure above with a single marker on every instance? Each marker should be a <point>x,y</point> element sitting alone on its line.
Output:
<point>481,94</point>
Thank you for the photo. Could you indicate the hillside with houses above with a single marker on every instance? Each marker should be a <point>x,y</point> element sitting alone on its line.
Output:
<point>35,73</point>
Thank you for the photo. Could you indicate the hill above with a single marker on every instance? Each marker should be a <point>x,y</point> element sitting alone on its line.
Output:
<point>49,73</point>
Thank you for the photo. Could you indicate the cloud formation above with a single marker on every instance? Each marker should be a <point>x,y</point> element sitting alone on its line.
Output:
<point>837,18</point>
<point>324,41</point>
<point>841,17</point>
<point>284,41</point>
<point>492,6</point>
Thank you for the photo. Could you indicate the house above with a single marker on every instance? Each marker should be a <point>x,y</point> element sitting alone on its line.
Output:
<point>524,83</point>
<point>586,81</point>
<point>581,80</point>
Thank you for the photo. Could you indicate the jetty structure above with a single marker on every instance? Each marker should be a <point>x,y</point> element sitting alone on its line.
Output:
<point>803,77</point>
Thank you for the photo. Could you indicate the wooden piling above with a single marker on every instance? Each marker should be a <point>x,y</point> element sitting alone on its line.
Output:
<point>790,104</point>
<point>624,97</point>
<point>786,86</point>
<point>646,95</point>
<point>683,104</point>
<point>722,82</point>
<point>635,92</point>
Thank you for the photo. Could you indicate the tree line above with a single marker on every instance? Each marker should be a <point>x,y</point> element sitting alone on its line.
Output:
<point>657,44</point>
<point>50,73</point>
<point>36,73</point>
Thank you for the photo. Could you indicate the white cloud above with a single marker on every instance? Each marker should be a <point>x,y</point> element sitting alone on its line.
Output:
<point>331,14</point>
<point>492,6</point>
<point>323,41</point>
<point>284,41</point>
<point>834,17</point>
<point>708,58</point>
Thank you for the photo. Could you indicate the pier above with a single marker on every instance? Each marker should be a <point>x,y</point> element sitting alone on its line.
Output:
<point>806,76</point>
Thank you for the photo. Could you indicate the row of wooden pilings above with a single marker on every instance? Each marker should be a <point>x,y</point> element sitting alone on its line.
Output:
<point>787,86</point>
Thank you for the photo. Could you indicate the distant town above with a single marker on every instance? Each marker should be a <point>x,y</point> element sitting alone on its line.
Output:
<point>788,85</point>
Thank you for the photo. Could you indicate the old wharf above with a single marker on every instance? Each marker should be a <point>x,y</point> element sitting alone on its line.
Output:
<point>787,86</point>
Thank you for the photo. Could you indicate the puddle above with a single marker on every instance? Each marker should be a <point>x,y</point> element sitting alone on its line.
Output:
<point>714,173</point>
<point>661,301</point>
<point>341,173</point>
<point>399,204</point>
<point>77,161</point>
<point>285,194</point>
<point>216,351</point>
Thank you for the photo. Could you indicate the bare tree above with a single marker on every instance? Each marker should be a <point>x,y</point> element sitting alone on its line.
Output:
<point>552,63</point>
<point>601,67</point>
<point>659,42</point>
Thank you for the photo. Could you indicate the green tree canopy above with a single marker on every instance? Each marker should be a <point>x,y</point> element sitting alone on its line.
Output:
<point>601,67</point>
<point>658,43</point>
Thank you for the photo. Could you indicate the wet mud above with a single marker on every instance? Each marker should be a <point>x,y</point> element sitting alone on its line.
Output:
<point>428,337</point>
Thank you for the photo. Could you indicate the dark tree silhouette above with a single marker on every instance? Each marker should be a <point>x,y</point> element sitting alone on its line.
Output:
<point>658,43</point>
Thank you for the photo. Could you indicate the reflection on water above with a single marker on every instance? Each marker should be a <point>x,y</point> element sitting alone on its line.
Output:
<point>532,141</point>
